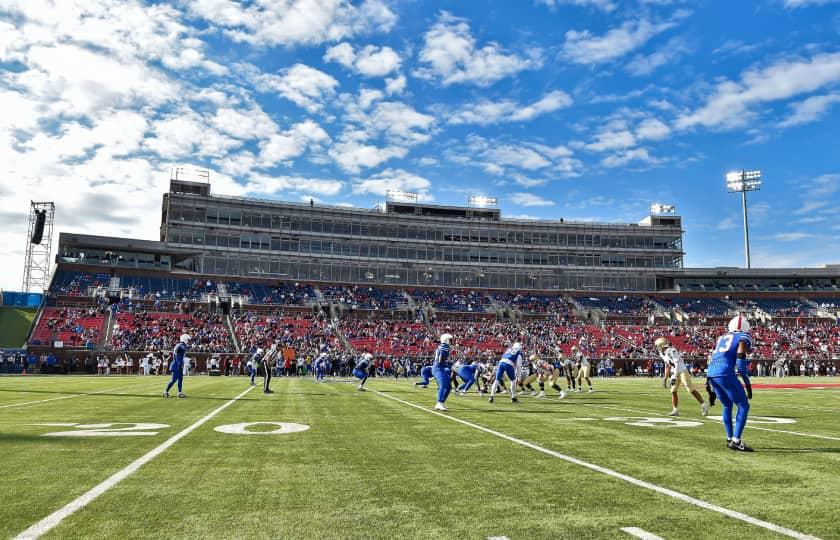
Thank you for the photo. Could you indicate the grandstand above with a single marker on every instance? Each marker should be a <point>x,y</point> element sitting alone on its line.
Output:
<point>240,274</point>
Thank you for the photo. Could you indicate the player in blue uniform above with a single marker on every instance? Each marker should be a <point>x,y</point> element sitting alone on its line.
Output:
<point>425,376</point>
<point>254,364</point>
<point>469,373</point>
<point>361,369</point>
<point>442,370</point>
<point>320,367</point>
<point>177,366</point>
<point>731,348</point>
<point>508,365</point>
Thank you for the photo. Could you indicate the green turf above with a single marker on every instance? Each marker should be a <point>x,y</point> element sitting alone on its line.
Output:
<point>374,467</point>
<point>14,325</point>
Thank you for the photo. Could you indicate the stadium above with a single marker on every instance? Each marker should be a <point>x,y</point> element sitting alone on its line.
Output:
<point>303,334</point>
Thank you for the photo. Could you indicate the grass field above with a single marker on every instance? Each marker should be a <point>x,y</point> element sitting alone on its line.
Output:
<point>380,464</point>
<point>14,325</point>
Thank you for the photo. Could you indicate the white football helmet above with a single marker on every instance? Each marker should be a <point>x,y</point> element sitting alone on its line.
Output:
<point>739,324</point>
<point>185,338</point>
<point>446,338</point>
<point>368,356</point>
<point>260,351</point>
<point>516,347</point>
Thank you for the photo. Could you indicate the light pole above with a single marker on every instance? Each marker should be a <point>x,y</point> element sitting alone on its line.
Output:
<point>741,182</point>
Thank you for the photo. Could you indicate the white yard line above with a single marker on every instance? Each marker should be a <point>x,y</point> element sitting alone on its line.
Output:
<point>640,533</point>
<point>49,522</point>
<point>65,397</point>
<point>701,419</point>
<point>615,474</point>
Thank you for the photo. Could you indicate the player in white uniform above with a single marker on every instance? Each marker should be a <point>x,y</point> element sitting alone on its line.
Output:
<point>583,369</point>
<point>681,377</point>
<point>546,372</point>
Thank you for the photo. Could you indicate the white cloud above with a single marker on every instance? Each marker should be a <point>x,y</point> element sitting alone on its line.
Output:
<point>623,158</point>
<point>668,53</point>
<point>394,179</point>
<point>370,61</point>
<point>793,4</point>
<point>603,5</point>
<point>585,48</point>
<point>272,185</point>
<point>303,85</point>
<point>652,129</point>
<point>244,124</point>
<point>529,199</point>
<point>353,156</point>
<point>501,158</point>
<point>731,104</point>
<point>395,85</point>
<point>492,112</point>
<point>293,22</point>
<point>791,236</point>
<point>810,109</point>
<point>450,53</point>
<point>281,147</point>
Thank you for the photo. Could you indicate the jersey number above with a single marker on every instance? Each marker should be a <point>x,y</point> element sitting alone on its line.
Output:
<point>725,343</point>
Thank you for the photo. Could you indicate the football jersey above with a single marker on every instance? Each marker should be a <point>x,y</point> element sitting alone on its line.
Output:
<point>362,363</point>
<point>179,352</point>
<point>724,357</point>
<point>584,361</point>
<point>442,355</point>
<point>673,357</point>
<point>512,358</point>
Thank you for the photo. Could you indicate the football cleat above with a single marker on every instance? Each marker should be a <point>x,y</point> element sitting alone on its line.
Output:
<point>181,395</point>
<point>675,412</point>
<point>440,407</point>
<point>541,395</point>
<point>738,446</point>
<point>490,400</point>
<point>562,395</point>
<point>514,400</point>
<point>590,391</point>
<point>361,389</point>
<point>268,391</point>
<point>166,394</point>
<point>704,409</point>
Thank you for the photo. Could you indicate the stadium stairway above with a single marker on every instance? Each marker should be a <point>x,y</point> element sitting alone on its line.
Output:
<point>105,337</point>
<point>233,339</point>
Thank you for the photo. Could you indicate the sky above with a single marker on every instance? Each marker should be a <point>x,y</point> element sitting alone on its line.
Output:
<point>581,109</point>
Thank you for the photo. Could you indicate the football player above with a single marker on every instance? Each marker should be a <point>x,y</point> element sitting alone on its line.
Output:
<point>442,370</point>
<point>511,359</point>
<point>177,366</point>
<point>425,376</point>
<point>546,372</point>
<point>570,374</point>
<point>526,374</point>
<point>362,368</point>
<point>583,369</point>
<point>730,348</point>
<point>674,364</point>
<point>470,373</point>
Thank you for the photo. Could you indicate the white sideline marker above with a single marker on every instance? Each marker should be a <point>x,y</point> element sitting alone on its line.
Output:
<point>64,397</point>
<point>640,533</point>
<point>49,522</point>
<point>615,474</point>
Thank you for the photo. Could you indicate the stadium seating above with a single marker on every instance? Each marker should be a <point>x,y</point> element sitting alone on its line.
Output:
<point>533,303</point>
<point>710,307</point>
<point>618,305</point>
<point>284,294</point>
<point>453,300</point>
<point>77,283</point>
<point>363,296</point>
<point>153,331</point>
<point>74,327</point>
<point>305,335</point>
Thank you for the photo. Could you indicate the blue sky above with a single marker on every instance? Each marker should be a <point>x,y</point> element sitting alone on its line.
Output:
<point>582,109</point>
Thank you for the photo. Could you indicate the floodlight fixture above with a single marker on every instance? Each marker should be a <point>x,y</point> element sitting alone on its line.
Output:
<point>741,182</point>
<point>394,195</point>
<point>480,201</point>
<point>659,208</point>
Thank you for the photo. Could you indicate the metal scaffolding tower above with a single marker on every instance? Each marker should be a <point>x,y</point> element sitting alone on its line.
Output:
<point>36,269</point>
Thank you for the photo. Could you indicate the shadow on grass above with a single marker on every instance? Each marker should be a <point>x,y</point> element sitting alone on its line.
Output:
<point>800,450</point>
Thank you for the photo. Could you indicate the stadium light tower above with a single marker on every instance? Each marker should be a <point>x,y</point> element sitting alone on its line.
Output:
<point>741,182</point>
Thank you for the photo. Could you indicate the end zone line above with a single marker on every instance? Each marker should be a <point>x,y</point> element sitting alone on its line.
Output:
<point>615,474</point>
<point>49,522</point>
